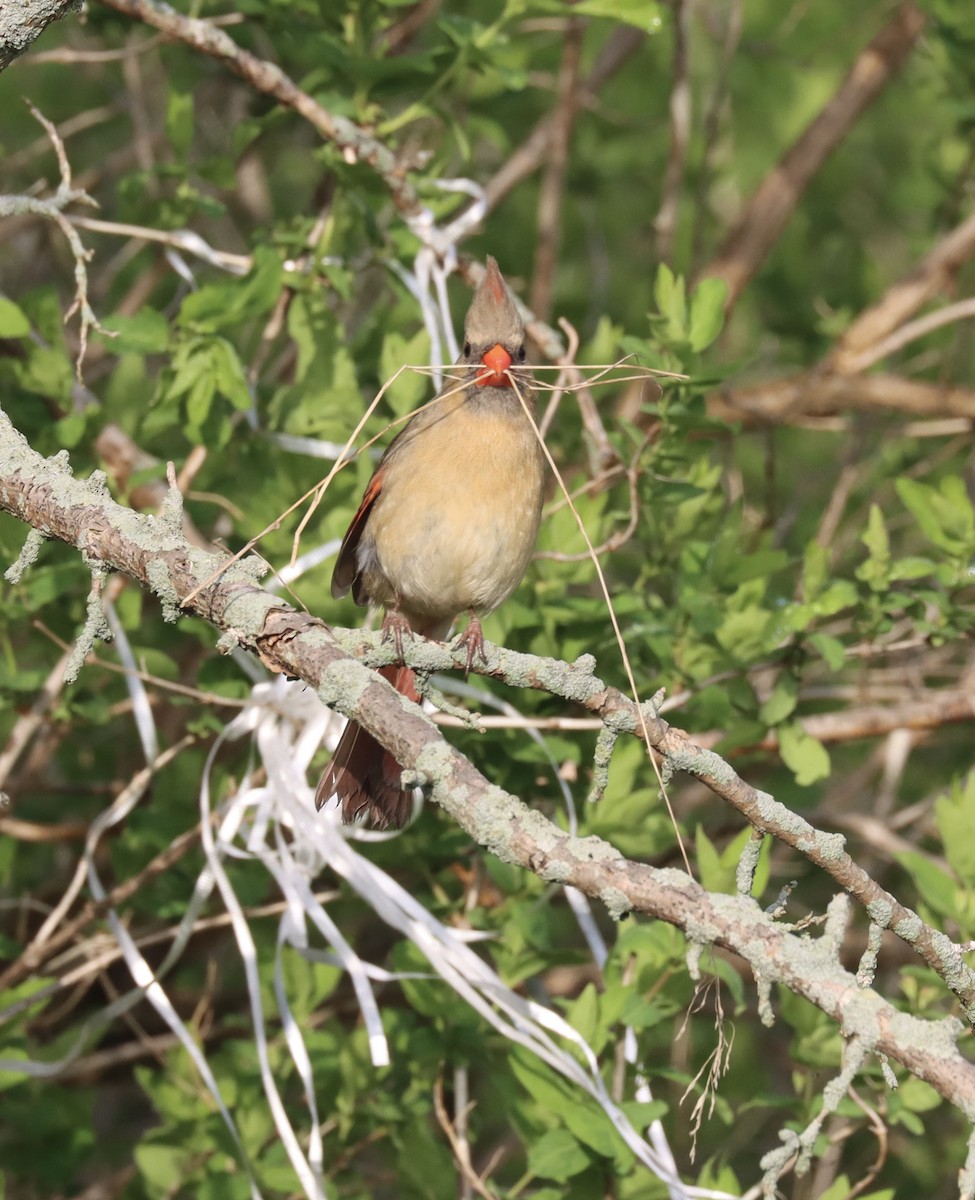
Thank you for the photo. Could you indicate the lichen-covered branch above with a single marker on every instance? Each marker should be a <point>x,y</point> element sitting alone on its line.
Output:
<point>153,551</point>
<point>23,21</point>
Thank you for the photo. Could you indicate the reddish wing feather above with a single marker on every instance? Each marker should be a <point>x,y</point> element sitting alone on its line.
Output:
<point>346,567</point>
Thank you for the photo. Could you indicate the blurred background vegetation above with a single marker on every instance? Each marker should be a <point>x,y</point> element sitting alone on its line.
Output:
<point>792,542</point>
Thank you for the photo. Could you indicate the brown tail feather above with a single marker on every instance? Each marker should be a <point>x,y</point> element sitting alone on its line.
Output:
<point>365,777</point>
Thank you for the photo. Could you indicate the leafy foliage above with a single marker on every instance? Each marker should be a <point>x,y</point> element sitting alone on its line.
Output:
<point>774,574</point>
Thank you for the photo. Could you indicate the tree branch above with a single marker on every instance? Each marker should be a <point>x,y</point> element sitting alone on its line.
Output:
<point>899,302</point>
<point>23,22</point>
<point>819,394</point>
<point>153,551</point>
<point>751,240</point>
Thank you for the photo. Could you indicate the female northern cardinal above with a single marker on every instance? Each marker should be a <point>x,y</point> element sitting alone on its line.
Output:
<point>446,526</point>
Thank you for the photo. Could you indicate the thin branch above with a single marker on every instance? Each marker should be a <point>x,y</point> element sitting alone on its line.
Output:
<point>817,394</point>
<point>553,177</point>
<point>749,243</point>
<point>36,953</point>
<point>665,222</point>
<point>460,1150</point>
<point>930,277</point>
<point>185,240</point>
<point>927,711</point>
<point>622,43</point>
<point>154,552</point>
<point>53,210</point>
<point>962,311</point>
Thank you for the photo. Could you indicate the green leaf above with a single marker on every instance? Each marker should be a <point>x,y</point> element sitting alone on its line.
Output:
<point>782,702</point>
<point>912,567</point>
<point>711,871</point>
<point>830,649</point>
<point>918,1096</point>
<point>668,291</point>
<point>707,313</point>
<point>228,374</point>
<point>744,633</point>
<point>557,1155</point>
<point>161,1166</point>
<point>955,817</point>
<point>642,14</point>
<point>583,1013</point>
<point>876,570</point>
<point>576,1111</point>
<point>13,320</point>
<point>180,122</point>
<point>815,571</point>
<point>409,387</point>
<point>198,402</point>
<point>839,1189</point>
<point>945,514</point>
<point>218,306</point>
<point>805,756</point>
<point>935,885</point>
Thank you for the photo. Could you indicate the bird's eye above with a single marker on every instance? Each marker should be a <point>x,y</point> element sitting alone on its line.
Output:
<point>520,354</point>
<point>467,349</point>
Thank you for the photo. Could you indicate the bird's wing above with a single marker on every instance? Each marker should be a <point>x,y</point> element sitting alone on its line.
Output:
<point>346,565</point>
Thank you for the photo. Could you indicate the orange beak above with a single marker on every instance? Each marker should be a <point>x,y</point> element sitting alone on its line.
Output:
<point>497,360</point>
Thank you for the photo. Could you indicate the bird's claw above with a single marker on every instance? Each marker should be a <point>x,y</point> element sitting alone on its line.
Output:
<point>395,628</point>
<point>473,639</point>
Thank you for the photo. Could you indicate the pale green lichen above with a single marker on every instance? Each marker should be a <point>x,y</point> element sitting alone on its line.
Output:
<point>885,1069</point>
<point>157,573</point>
<point>341,686</point>
<point>605,743</point>
<point>27,557</point>
<point>617,903</point>
<point>555,872</point>
<point>748,864</point>
<point>881,912</point>
<point>97,485</point>
<point>228,641</point>
<point>868,960</point>
<point>171,510</point>
<point>908,927</point>
<point>95,627</point>
<point>766,1013</point>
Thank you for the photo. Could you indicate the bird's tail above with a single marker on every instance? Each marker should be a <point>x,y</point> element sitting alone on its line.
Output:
<point>364,776</point>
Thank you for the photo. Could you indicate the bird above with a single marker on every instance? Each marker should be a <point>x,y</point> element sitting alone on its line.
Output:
<point>446,526</point>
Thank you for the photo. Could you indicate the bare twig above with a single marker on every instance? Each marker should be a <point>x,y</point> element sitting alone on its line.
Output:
<point>53,210</point>
<point>185,240</point>
<point>851,362</point>
<point>817,394</point>
<point>553,177</point>
<point>28,724</point>
<point>665,222</point>
<point>34,954</point>
<point>460,1150</point>
<point>622,43</point>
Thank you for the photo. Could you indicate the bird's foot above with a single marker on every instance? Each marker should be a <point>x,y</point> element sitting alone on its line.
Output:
<point>395,628</point>
<point>473,639</point>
